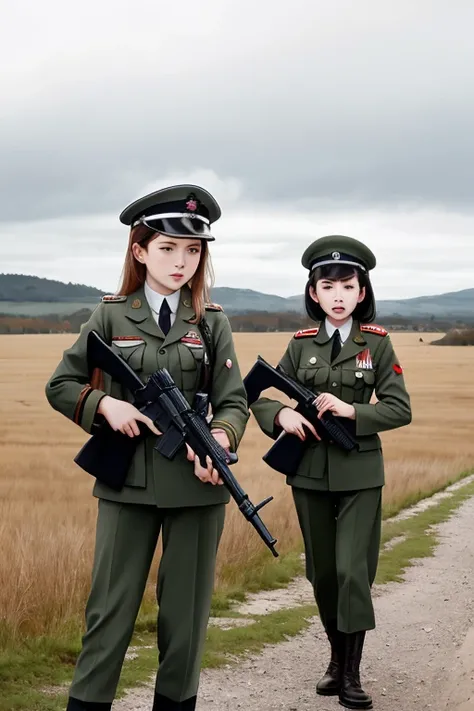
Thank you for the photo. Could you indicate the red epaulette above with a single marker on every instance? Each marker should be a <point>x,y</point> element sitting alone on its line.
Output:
<point>113,298</point>
<point>306,333</point>
<point>373,328</point>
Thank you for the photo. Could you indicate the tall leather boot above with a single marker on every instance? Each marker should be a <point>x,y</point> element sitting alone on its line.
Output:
<point>330,683</point>
<point>351,695</point>
<point>78,705</point>
<point>163,703</point>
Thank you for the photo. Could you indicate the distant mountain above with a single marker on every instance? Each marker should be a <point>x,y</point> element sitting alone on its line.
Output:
<point>451,305</point>
<point>19,287</point>
<point>28,295</point>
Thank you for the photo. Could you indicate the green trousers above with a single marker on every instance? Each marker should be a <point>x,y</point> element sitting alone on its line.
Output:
<point>127,535</point>
<point>341,532</point>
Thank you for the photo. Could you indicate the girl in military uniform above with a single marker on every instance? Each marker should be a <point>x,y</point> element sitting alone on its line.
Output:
<point>337,494</point>
<point>159,319</point>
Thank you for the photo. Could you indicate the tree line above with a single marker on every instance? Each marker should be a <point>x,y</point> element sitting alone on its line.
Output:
<point>256,322</point>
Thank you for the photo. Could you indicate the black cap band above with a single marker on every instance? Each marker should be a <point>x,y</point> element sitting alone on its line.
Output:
<point>338,258</point>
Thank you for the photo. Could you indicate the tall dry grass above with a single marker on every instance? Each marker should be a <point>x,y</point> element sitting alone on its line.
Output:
<point>47,513</point>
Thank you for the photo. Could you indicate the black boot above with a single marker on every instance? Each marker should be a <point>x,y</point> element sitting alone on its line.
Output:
<point>77,705</point>
<point>352,696</point>
<point>330,683</point>
<point>162,703</point>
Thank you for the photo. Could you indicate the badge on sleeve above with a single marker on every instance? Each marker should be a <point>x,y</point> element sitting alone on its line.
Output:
<point>228,363</point>
<point>397,368</point>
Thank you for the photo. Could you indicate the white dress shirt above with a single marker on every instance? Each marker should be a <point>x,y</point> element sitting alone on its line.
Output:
<point>155,300</point>
<point>344,331</point>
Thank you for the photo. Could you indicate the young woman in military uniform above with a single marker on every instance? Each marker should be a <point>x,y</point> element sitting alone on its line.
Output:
<point>159,319</point>
<point>338,494</point>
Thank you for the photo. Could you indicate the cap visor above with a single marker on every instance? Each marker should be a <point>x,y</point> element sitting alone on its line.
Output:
<point>180,227</point>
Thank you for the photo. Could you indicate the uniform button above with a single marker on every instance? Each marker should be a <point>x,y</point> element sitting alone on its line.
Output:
<point>334,367</point>
<point>334,385</point>
<point>162,351</point>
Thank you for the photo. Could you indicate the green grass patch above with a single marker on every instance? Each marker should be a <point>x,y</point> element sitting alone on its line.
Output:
<point>28,670</point>
<point>267,573</point>
<point>414,497</point>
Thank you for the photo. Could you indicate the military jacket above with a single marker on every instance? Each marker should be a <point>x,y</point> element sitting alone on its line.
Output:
<point>367,363</point>
<point>127,324</point>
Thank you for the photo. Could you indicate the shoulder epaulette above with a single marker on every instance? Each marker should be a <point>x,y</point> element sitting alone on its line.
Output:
<point>213,307</point>
<point>373,328</point>
<point>113,298</point>
<point>306,333</point>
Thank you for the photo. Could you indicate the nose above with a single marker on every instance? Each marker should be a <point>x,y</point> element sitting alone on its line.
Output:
<point>179,262</point>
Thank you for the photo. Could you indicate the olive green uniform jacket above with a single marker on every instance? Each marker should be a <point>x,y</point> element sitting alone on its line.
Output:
<point>367,363</point>
<point>127,324</point>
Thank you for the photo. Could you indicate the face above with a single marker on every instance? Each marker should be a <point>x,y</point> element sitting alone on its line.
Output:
<point>338,299</point>
<point>170,262</point>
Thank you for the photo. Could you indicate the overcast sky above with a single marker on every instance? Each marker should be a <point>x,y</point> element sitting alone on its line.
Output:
<point>304,118</point>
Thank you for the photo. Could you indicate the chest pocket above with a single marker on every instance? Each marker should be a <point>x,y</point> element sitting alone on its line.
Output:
<point>191,361</point>
<point>132,352</point>
<point>357,384</point>
<point>314,377</point>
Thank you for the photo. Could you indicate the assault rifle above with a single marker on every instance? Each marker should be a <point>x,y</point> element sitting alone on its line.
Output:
<point>107,455</point>
<point>285,455</point>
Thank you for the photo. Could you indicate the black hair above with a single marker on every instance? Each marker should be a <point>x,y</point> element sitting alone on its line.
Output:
<point>364,312</point>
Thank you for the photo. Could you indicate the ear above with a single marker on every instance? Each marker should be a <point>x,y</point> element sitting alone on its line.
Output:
<point>312,293</point>
<point>361,295</point>
<point>137,251</point>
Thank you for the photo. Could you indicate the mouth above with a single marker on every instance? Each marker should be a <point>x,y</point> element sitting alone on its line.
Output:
<point>339,309</point>
<point>177,276</point>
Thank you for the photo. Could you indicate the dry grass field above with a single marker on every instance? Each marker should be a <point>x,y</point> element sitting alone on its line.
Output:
<point>47,514</point>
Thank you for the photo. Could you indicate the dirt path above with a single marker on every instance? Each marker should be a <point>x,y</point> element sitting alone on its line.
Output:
<point>421,656</point>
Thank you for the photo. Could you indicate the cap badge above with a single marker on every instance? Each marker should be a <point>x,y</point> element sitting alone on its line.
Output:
<point>336,255</point>
<point>136,304</point>
<point>191,205</point>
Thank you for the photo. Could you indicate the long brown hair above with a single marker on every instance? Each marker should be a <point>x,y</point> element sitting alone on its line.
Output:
<point>134,272</point>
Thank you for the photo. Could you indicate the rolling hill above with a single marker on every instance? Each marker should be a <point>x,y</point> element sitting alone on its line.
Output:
<point>32,296</point>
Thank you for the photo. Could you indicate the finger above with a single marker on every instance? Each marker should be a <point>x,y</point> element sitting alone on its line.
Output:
<point>134,427</point>
<point>312,429</point>
<point>210,467</point>
<point>149,423</point>
<point>299,432</point>
<point>325,408</point>
<point>215,476</point>
<point>220,482</point>
<point>127,430</point>
<point>190,453</point>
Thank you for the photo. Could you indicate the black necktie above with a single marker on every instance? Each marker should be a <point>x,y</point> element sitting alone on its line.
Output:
<point>336,345</point>
<point>164,317</point>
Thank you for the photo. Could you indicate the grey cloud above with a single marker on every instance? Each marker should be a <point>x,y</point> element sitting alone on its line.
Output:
<point>365,104</point>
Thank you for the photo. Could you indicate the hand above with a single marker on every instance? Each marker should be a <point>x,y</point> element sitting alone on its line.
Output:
<point>221,436</point>
<point>292,422</point>
<point>326,401</point>
<point>123,416</point>
<point>209,475</point>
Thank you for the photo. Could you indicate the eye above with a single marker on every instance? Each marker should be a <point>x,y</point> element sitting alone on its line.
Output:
<point>194,250</point>
<point>349,286</point>
<point>166,249</point>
